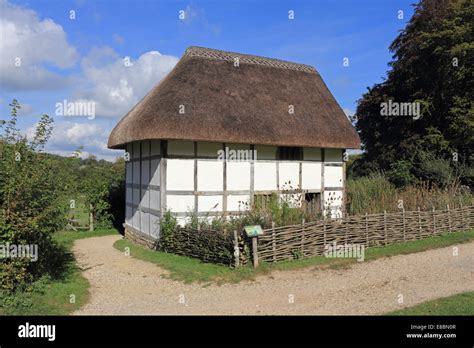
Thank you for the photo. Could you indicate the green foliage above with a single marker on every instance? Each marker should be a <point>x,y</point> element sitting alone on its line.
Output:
<point>168,226</point>
<point>400,174</point>
<point>432,64</point>
<point>32,202</point>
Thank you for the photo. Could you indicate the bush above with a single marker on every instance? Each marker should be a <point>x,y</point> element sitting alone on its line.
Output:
<point>32,202</point>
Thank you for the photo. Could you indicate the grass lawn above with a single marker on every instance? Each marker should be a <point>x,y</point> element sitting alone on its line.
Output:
<point>52,297</point>
<point>189,269</point>
<point>461,304</point>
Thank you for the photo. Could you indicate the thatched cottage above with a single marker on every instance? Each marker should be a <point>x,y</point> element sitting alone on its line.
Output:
<point>224,127</point>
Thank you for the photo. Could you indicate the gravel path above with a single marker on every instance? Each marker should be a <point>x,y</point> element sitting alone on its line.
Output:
<point>125,285</point>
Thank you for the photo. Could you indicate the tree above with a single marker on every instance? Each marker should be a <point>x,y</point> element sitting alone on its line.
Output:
<point>432,66</point>
<point>32,201</point>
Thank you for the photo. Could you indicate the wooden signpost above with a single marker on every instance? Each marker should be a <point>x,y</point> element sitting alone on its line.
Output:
<point>253,232</point>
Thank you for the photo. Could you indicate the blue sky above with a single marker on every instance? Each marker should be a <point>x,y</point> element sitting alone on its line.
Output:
<point>82,58</point>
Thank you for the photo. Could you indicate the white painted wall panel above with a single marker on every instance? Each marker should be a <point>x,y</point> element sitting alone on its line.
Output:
<point>333,155</point>
<point>180,174</point>
<point>289,176</point>
<point>155,199</point>
<point>129,150</point>
<point>155,172</point>
<point>311,176</point>
<point>238,176</point>
<point>145,223</point>
<point>210,175</point>
<point>266,152</point>
<point>265,176</point>
<point>136,219</point>
<point>312,154</point>
<point>237,202</point>
<point>207,149</point>
<point>136,150</point>
<point>129,195</point>
<point>129,172</point>
<point>333,176</point>
<point>136,196</point>
<point>128,215</point>
<point>154,226</point>
<point>210,203</point>
<point>136,172</point>
<point>333,202</point>
<point>145,202</point>
<point>145,172</point>
<point>180,148</point>
<point>180,203</point>
<point>155,147</point>
<point>145,149</point>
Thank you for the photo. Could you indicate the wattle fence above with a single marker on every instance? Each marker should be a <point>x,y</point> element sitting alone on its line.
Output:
<point>308,239</point>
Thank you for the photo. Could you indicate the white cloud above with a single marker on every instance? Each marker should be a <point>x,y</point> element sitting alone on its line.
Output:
<point>32,42</point>
<point>115,87</point>
<point>68,136</point>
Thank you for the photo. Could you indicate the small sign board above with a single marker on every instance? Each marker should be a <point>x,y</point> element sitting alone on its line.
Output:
<point>253,231</point>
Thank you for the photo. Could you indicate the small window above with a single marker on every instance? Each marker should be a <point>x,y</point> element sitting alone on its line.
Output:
<point>286,153</point>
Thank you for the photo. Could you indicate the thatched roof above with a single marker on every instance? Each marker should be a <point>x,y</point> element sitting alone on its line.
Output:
<point>247,104</point>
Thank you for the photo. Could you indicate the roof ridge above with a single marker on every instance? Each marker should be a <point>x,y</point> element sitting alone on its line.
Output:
<point>210,53</point>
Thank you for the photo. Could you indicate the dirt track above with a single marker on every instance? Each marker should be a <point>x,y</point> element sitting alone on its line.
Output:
<point>124,285</point>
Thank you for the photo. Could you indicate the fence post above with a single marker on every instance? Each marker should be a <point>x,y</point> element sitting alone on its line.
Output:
<point>91,218</point>
<point>236,250</point>
<point>273,242</point>
<point>404,230</point>
<point>434,221</point>
<point>449,218</point>
<point>366,230</point>
<point>385,225</point>
<point>419,222</point>
<point>255,251</point>
<point>302,237</point>
<point>462,215</point>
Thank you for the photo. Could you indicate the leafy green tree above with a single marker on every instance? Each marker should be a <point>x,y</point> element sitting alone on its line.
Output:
<point>32,201</point>
<point>432,65</point>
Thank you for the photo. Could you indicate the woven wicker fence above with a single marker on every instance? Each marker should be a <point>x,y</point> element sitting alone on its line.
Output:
<point>309,239</point>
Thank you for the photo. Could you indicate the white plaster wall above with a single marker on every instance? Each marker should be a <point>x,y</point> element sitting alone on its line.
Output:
<point>311,176</point>
<point>265,176</point>
<point>207,149</point>
<point>145,201</point>
<point>333,176</point>
<point>238,176</point>
<point>180,174</point>
<point>154,199</point>
<point>210,175</point>
<point>136,172</point>
<point>129,195</point>
<point>136,219</point>
<point>180,148</point>
<point>154,226</point>
<point>180,203</point>
<point>145,148</point>
<point>128,215</point>
<point>145,223</point>
<point>128,176</point>
<point>312,154</point>
<point>210,203</point>
<point>266,152</point>
<point>145,170</point>
<point>333,202</point>
<point>289,176</point>
<point>333,155</point>
<point>136,150</point>
<point>155,147</point>
<point>136,196</point>
<point>233,202</point>
<point>155,172</point>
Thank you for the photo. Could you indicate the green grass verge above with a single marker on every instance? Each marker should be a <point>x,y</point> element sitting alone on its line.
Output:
<point>189,269</point>
<point>461,304</point>
<point>52,297</point>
